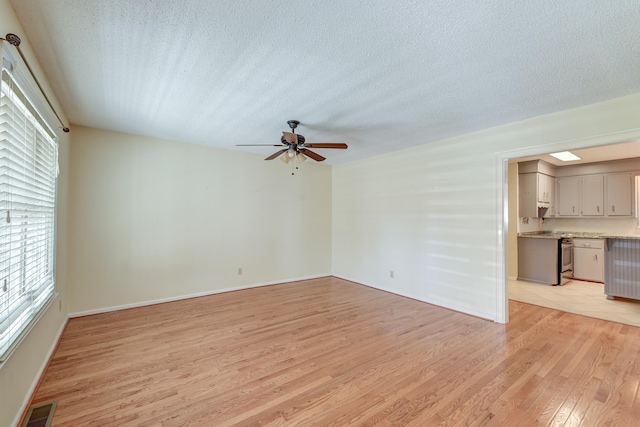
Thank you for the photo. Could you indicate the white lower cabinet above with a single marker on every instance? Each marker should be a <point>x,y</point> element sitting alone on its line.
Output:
<point>588,259</point>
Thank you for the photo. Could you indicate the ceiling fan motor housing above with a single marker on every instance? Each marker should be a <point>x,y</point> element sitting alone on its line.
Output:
<point>300,139</point>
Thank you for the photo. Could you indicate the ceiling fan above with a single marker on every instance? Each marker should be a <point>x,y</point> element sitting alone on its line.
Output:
<point>295,148</point>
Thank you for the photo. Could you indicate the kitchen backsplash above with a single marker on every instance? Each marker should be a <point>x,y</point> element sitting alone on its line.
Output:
<point>615,225</point>
<point>527,225</point>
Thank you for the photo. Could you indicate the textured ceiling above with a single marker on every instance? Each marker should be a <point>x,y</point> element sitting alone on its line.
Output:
<point>378,75</point>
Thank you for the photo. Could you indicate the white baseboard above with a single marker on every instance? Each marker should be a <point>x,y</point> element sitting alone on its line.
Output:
<point>512,278</point>
<point>195,295</point>
<point>33,386</point>
<point>417,298</point>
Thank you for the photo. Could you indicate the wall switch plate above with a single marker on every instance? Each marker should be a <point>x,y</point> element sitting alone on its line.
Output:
<point>391,274</point>
<point>240,271</point>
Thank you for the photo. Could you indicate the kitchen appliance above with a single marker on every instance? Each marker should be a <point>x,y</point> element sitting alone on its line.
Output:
<point>546,259</point>
<point>539,260</point>
<point>566,259</point>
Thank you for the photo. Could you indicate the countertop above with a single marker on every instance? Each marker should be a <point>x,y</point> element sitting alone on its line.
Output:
<point>577,234</point>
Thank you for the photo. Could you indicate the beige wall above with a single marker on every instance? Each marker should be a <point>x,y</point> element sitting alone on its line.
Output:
<point>19,374</point>
<point>434,214</point>
<point>155,219</point>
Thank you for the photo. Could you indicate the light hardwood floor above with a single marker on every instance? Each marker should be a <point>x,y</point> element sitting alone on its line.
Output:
<point>330,352</point>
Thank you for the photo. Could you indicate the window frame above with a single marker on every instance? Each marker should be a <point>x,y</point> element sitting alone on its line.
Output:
<point>43,291</point>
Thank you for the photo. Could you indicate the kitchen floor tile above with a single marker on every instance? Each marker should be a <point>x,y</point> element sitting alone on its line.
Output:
<point>585,298</point>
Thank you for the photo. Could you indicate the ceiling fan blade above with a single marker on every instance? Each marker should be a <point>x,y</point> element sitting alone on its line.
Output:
<point>258,145</point>
<point>290,137</point>
<point>315,156</point>
<point>327,145</point>
<point>276,154</point>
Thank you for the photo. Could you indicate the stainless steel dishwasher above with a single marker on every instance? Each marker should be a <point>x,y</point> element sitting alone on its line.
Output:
<point>538,260</point>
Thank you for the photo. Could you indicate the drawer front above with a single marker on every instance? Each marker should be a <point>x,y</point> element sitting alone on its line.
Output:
<point>588,243</point>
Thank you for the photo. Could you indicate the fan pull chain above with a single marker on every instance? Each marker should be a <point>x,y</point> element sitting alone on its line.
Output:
<point>296,163</point>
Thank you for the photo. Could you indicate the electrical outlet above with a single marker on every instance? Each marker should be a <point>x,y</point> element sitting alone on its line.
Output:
<point>240,271</point>
<point>391,274</point>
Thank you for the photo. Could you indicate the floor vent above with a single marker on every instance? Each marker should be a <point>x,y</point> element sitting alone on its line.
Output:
<point>40,416</point>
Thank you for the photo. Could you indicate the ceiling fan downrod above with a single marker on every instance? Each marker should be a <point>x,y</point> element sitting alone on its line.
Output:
<point>293,124</point>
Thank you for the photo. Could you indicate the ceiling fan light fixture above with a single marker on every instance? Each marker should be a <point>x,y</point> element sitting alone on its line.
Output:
<point>285,158</point>
<point>301,157</point>
<point>291,153</point>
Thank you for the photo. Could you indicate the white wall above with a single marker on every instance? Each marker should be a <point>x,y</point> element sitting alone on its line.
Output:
<point>434,213</point>
<point>155,219</point>
<point>19,374</point>
<point>512,239</point>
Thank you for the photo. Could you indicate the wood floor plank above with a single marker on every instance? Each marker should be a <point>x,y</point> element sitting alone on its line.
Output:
<point>329,352</point>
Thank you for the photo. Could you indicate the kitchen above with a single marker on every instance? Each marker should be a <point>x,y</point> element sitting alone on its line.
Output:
<point>577,232</point>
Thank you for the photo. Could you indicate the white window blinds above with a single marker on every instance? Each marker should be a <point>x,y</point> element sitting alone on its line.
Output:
<point>28,172</point>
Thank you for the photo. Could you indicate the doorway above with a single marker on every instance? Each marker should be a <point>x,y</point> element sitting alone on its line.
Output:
<point>620,142</point>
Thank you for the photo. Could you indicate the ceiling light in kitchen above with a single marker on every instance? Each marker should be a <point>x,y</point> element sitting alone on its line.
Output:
<point>565,156</point>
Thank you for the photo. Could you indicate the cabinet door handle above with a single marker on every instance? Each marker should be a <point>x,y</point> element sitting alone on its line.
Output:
<point>598,208</point>
<point>613,208</point>
<point>573,209</point>
<point>595,257</point>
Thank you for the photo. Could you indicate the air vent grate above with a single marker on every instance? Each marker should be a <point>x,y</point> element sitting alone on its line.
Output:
<point>40,416</point>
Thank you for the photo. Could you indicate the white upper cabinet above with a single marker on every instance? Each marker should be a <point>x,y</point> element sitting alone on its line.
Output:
<point>548,186</point>
<point>592,192</point>
<point>598,195</point>
<point>619,194</point>
<point>536,195</point>
<point>528,195</point>
<point>536,189</point>
<point>569,196</point>
<point>599,190</point>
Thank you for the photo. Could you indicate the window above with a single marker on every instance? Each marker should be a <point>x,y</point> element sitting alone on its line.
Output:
<point>28,171</point>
